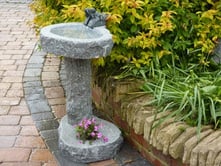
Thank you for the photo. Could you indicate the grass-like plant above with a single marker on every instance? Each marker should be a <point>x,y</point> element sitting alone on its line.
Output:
<point>194,98</point>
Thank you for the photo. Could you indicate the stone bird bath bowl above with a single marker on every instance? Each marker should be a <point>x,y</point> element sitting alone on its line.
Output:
<point>78,44</point>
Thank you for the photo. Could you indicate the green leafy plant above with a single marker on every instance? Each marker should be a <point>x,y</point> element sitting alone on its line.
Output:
<point>193,98</point>
<point>175,32</point>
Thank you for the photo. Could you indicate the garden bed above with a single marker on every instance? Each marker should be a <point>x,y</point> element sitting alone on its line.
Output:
<point>171,143</point>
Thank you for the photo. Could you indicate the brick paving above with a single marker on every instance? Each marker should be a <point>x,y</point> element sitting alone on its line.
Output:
<point>20,142</point>
<point>32,99</point>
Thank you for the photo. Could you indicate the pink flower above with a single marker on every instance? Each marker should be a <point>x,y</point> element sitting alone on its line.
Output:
<point>86,126</point>
<point>93,134</point>
<point>96,128</point>
<point>99,135</point>
<point>105,139</point>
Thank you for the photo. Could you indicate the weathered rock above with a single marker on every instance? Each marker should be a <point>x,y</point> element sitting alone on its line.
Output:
<point>214,148</point>
<point>139,119</point>
<point>155,131</point>
<point>191,143</point>
<point>218,160</point>
<point>200,158</point>
<point>84,153</point>
<point>176,149</point>
<point>169,134</point>
<point>149,123</point>
<point>132,107</point>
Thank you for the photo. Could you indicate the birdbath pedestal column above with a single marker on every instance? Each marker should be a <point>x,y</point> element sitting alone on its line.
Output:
<point>79,44</point>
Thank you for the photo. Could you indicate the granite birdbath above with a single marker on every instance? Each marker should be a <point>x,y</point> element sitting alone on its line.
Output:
<point>78,44</point>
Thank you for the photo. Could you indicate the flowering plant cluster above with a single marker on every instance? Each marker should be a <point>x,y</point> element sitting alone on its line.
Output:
<point>88,130</point>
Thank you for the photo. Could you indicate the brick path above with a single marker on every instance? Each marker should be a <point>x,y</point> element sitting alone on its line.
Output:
<point>20,142</point>
<point>27,76</point>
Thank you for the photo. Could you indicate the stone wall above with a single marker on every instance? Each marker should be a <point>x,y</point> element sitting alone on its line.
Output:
<point>170,143</point>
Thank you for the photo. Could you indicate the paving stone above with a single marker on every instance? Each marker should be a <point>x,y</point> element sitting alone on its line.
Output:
<point>42,116</point>
<point>64,161</point>
<point>9,119</point>
<point>7,62</point>
<point>21,62</point>
<point>138,162</point>
<point>29,131</point>
<point>27,79</point>
<point>34,97</point>
<point>38,106</point>
<point>11,79</point>
<point>15,93</point>
<point>51,69</point>
<point>57,101</point>
<point>51,83</point>
<point>34,90</point>
<point>30,142</point>
<point>7,141</point>
<point>26,120</point>
<point>34,65</point>
<point>21,164</point>
<point>38,52</point>
<point>9,101</point>
<point>13,73</point>
<point>47,125</point>
<point>127,153</point>
<point>32,84</point>
<point>52,144</point>
<point>59,111</point>
<point>32,72</point>
<point>54,92</point>
<point>49,134</point>
<point>5,85</point>
<point>16,85</point>
<point>14,154</point>
<point>50,75</point>
<point>4,110</point>
<point>103,163</point>
<point>41,155</point>
<point>19,110</point>
<point>9,130</point>
<point>35,59</point>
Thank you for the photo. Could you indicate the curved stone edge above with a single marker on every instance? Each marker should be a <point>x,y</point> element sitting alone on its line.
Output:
<point>45,121</point>
<point>86,153</point>
<point>169,141</point>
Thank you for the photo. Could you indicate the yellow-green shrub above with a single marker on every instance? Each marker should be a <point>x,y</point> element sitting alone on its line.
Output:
<point>172,31</point>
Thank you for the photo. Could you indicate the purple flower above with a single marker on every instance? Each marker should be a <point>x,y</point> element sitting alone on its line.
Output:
<point>105,139</point>
<point>96,128</point>
<point>93,134</point>
<point>86,126</point>
<point>99,135</point>
<point>88,130</point>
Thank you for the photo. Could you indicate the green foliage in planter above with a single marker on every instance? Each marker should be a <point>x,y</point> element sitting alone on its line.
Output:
<point>194,98</point>
<point>173,31</point>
